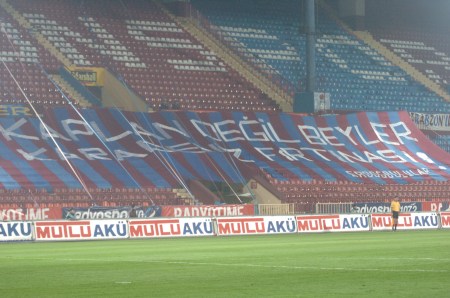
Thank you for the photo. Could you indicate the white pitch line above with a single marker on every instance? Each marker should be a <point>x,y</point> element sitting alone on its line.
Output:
<point>296,267</point>
<point>240,265</point>
<point>394,259</point>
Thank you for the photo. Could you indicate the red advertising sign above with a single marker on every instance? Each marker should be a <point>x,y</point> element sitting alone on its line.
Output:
<point>445,220</point>
<point>208,211</point>
<point>435,206</point>
<point>24,214</point>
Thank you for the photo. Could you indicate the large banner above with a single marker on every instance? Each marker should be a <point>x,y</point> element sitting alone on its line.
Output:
<point>434,122</point>
<point>384,147</point>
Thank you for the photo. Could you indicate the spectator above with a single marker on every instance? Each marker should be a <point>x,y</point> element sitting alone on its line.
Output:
<point>133,212</point>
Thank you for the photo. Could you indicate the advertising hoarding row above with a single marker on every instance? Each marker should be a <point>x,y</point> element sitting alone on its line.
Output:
<point>155,211</point>
<point>123,212</point>
<point>63,230</point>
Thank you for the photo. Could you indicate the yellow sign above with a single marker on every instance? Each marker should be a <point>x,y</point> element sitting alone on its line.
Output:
<point>88,76</point>
<point>15,110</point>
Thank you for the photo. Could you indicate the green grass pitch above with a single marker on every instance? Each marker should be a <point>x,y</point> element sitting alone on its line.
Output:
<point>370,264</point>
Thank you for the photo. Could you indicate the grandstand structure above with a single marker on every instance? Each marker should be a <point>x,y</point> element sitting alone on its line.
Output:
<point>157,103</point>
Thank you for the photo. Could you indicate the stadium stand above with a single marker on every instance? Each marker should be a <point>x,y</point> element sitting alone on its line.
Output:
<point>357,76</point>
<point>153,55</point>
<point>156,56</point>
<point>426,47</point>
<point>21,54</point>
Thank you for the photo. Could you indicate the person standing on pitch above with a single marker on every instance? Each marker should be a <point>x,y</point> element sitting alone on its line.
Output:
<point>395,208</point>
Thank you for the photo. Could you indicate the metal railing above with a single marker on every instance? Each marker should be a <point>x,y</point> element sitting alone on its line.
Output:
<point>275,209</point>
<point>333,208</point>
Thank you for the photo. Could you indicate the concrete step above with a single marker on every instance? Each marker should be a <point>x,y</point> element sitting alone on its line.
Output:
<point>70,91</point>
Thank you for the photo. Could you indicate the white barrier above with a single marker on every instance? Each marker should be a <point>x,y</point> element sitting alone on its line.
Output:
<point>16,231</point>
<point>255,225</point>
<point>64,230</point>
<point>170,227</point>
<point>80,230</point>
<point>333,223</point>
<point>407,221</point>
